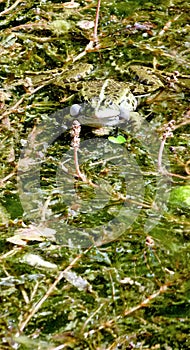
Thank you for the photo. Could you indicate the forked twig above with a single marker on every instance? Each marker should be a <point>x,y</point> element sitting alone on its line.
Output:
<point>75,133</point>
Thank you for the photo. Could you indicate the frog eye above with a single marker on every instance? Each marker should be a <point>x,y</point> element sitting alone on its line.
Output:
<point>109,102</point>
<point>75,110</point>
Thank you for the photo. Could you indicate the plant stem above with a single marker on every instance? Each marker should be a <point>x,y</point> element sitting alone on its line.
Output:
<point>95,37</point>
<point>76,128</point>
<point>167,133</point>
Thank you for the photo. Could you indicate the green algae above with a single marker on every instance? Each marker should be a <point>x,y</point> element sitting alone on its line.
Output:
<point>131,291</point>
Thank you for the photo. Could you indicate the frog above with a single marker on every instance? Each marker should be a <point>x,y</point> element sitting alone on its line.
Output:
<point>107,103</point>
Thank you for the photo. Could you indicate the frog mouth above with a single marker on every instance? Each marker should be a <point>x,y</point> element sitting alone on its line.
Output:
<point>96,117</point>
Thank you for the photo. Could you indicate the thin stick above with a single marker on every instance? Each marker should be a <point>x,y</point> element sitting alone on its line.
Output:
<point>168,25</point>
<point>7,177</point>
<point>128,312</point>
<point>167,133</point>
<point>95,36</point>
<point>10,8</point>
<point>76,128</point>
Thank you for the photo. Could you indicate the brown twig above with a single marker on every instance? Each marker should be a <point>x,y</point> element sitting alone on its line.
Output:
<point>95,36</point>
<point>93,44</point>
<point>128,312</point>
<point>75,133</point>
<point>10,8</point>
<point>168,25</point>
<point>167,133</point>
<point>2,181</point>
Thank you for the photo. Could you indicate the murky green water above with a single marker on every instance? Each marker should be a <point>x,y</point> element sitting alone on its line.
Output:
<point>101,264</point>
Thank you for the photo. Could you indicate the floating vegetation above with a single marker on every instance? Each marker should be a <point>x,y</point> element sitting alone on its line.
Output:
<point>95,231</point>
